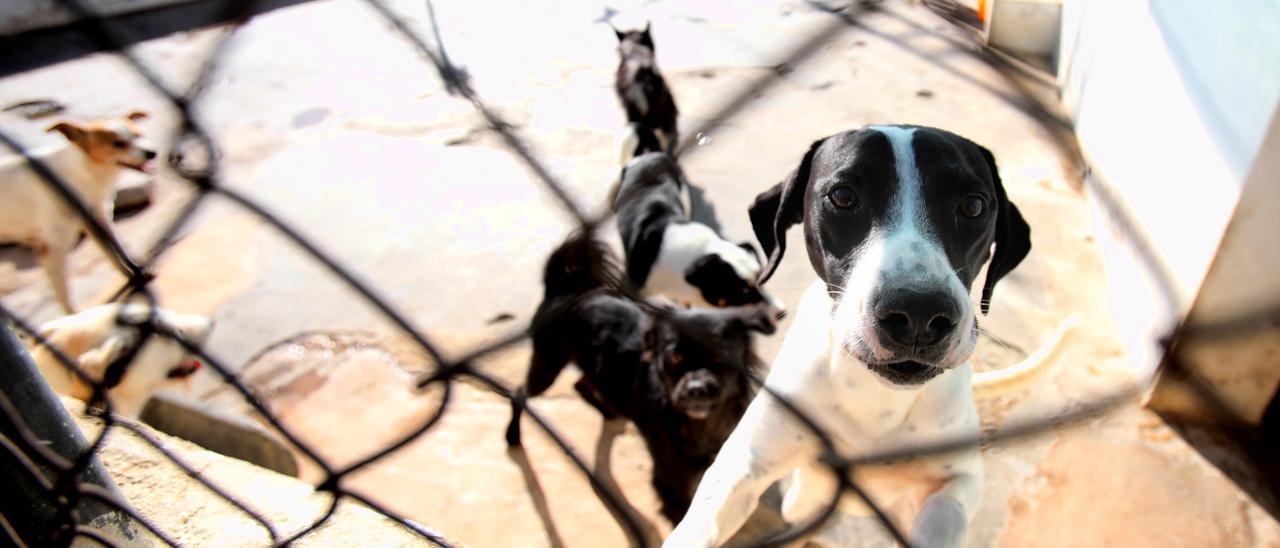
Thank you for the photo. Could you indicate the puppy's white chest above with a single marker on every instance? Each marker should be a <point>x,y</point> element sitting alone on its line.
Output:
<point>871,422</point>
<point>880,418</point>
<point>859,410</point>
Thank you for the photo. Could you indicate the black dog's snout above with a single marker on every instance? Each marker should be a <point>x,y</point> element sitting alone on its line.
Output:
<point>916,319</point>
<point>701,388</point>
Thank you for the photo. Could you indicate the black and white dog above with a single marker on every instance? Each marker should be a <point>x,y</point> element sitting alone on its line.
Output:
<point>897,222</point>
<point>681,376</point>
<point>670,255</point>
<point>651,110</point>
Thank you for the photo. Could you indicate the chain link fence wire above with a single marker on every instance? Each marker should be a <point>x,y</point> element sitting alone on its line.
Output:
<point>194,156</point>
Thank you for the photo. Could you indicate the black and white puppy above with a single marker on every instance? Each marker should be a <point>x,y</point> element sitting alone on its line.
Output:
<point>681,375</point>
<point>670,255</point>
<point>897,222</point>
<point>651,110</point>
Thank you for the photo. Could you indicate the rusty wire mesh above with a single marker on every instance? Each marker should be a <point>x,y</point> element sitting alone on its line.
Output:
<point>206,179</point>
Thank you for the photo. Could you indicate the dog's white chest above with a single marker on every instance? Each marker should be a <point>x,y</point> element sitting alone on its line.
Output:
<point>863,416</point>
<point>861,413</point>
<point>870,422</point>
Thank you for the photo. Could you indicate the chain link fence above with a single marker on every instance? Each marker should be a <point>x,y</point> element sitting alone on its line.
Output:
<point>68,481</point>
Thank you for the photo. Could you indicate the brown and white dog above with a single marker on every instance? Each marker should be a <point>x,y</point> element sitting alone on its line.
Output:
<point>96,337</point>
<point>33,214</point>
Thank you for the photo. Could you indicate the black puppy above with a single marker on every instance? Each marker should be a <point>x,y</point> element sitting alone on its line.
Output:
<point>651,111</point>
<point>681,376</point>
<point>670,255</point>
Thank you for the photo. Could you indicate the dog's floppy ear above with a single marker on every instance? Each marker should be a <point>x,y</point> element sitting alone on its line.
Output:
<point>1013,235</point>
<point>192,327</point>
<point>72,132</point>
<point>659,340</point>
<point>113,347</point>
<point>751,250</point>
<point>760,319</point>
<point>776,209</point>
<point>642,249</point>
<point>701,270</point>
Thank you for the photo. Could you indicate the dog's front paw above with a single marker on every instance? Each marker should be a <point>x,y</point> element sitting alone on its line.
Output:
<point>940,524</point>
<point>687,536</point>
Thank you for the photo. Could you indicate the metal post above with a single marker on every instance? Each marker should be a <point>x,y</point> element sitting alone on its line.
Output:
<point>29,510</point>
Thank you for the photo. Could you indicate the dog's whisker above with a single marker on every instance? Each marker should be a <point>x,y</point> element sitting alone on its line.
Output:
<point>836,287</point>
<point>788,289</point>
<point>977,263</point>
<point>978,330</point>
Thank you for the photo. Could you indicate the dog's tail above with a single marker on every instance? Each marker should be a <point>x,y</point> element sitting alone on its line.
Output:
<point>581,264</point>
<point>989,384</point>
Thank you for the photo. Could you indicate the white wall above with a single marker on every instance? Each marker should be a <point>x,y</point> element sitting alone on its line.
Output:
<point>1171,99</point>
<point>1232,334</point>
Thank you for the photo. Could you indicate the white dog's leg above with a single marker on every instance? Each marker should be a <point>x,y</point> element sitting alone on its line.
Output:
<point>769,441</point>
<point>53,258</point>
<point>767,444</point>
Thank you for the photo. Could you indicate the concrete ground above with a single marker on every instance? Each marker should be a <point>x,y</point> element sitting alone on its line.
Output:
<point>336,125</point>
<point>195,516</point>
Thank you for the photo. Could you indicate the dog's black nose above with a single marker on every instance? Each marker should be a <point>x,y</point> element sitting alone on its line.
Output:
<point>149,154</point>
<point>916,319</point>
<point>701,389</point>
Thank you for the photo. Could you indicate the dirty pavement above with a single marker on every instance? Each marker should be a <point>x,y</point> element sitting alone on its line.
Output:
<point>345,133</point>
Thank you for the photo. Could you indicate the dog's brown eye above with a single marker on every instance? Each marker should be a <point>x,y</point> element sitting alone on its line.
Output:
<point>120,144</point>
<point>721,302</point>
<point>843,197</point>
<point>674,359</point>
<point>972,207</point>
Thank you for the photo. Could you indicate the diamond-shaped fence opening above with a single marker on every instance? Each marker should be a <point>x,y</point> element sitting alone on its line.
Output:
<point>69,493</point>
